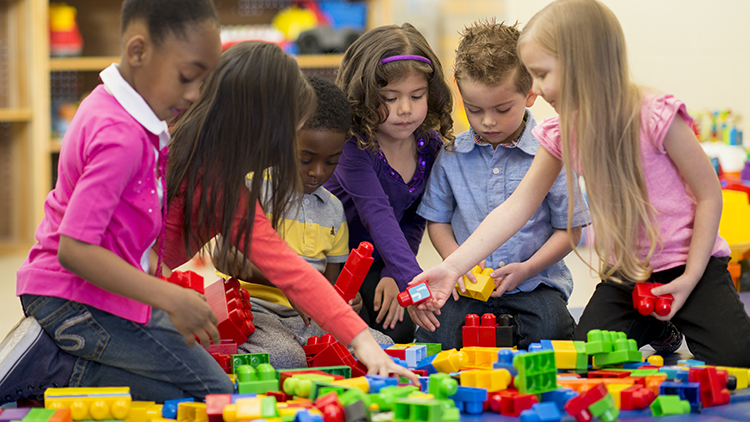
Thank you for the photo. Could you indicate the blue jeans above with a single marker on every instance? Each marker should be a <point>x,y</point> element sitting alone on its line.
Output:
<point>154,360</point>
<point>539,314</point>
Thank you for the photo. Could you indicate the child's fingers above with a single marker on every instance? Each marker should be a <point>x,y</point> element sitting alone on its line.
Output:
<point>461,285</point>
<point>454,292</point>
<point>391,314</point>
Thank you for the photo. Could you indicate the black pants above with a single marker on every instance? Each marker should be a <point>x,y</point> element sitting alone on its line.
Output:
<point>713,319</point>
<point>404,331</point>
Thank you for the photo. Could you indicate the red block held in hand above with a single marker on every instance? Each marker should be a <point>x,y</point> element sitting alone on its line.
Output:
<point>354,271</point>
<point>646,302</point>
<point>414,295</point>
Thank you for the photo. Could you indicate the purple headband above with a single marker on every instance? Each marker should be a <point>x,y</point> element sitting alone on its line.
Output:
<point>406,57</point>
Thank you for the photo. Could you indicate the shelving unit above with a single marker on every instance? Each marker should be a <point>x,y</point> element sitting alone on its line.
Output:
<point>31,83</point>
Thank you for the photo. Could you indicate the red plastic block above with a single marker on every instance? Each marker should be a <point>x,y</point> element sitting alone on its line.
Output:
<point>645,302</point>
<point>215,404</point>
<point>636,397</point>
<point>280,396</point>
<point>604,373</point>
<point>511,402</point>
<point>186,279</point>
<point>330,407</point>
<point>354,271</point>
<point>713,383</point>
<point>470,331</point>
<point>578,407</point>
<point>487,332</point>
<point>396,353</point>
<point>224,360</point>
<point>414,295</point>
<point>227,347</point>
<point>317,344</point>
<point>335,355</point>
<point>232,307</point>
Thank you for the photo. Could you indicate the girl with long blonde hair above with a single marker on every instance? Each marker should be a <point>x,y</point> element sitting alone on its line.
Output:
<point>655,200</point>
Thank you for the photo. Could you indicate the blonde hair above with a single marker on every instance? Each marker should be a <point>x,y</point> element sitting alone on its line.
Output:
<point>601,106</point>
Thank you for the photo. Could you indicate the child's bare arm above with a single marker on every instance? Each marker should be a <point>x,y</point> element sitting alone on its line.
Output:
<point>332,272</point>
<point>188,309</point>
<point>442,237</point>
<point>694,166</point>
<point>553,250</point>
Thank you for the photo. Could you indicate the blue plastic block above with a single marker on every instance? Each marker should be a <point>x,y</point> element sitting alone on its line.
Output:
<point>691,362</point>
<point>345,14</point>
<point>415,354</point>
<point>306,416</point>
<point>169,411</point>
<point>633,365</point>
<point>471,399</point>
<point>559,397</point>
<point>683,374</point>
<point>690,391</point>
<point>546,344</point>
<point>541,412</point>
<point>423,384</point>
<point>400,362</point>
<point>426,365</point>
<point>385,346</point>
<point>242,396</point>
<point>535,347</point>
<point>671,371</point>
<point>378,382</point>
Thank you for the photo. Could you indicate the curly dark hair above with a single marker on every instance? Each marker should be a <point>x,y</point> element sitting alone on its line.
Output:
<point>333,112</point>
<point>487,54</point>
<point>167,16</point>
<point>361,76</point>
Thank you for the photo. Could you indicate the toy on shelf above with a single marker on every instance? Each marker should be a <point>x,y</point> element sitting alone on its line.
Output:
<point>484,286</point>
<point>414,295</point>
<point>354,271</point>
<point>646,302</point>
<point>64,37</point>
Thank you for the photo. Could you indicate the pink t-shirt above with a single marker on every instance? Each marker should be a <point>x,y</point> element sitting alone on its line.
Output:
<point>107,194</point>
<point>671,197</point>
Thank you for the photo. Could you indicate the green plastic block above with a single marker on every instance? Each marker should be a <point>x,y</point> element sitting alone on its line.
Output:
<point>644,372</point>
<point>39,415</point>
<point>625,350</point>
<point>601,341</point>
<point>302,384</point>
<point>605,409</point>
<point>417,410</point>
<point>388,395</point>
<point>252,359</point>
<point>536,372</point>
<point>352,395</point>
<point>268,407</point>
<point>322,388</point>
<point>442,386</point>
<point>669,405</point>
<point>432,348</point>
<point>257,387</point>
<point>582,358</point>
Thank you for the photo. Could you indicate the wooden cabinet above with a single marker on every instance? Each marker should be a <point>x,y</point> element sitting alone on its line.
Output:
<point>32,84</point>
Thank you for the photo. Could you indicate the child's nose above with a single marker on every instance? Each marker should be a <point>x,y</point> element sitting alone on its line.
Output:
<point>404,106</point>
<point>316,170</point>
<point>536,88</point>
<point>488,120</point>
<point>192,93</point>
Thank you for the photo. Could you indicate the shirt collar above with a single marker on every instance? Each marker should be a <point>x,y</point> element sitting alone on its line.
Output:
<point>322,194</point>
<point>526,142</point>
<point>133,103</point>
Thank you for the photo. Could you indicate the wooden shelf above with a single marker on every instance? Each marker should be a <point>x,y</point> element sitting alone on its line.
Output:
<point>15,114</point>
<point>92,64</point>
<point>319,61</point>
<point>82,64</point>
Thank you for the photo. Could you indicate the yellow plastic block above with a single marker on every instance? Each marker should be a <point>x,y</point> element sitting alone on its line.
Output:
<point>615,390</point>
<point>566,355</point>
<point>480,357</point>
<point>191,412</point>
<point>359,383</point>
<point>655,360</point>
<point>740,373</point>
<point>140,411</point>
<point>492,380</point>
<point>484,286</point>
<point>449,361</point>
<point>243,409</point>
<point>733,226</point>
<point>97,403</point>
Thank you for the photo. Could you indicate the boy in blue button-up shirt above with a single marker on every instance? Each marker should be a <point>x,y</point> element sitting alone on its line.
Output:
<point>478,173</point>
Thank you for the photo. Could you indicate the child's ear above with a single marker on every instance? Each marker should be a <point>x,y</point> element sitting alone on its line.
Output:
<point>530,99</point>
<point>135,50</point>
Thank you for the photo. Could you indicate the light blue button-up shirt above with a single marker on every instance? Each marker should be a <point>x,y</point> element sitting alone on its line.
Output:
<point>466,185</point>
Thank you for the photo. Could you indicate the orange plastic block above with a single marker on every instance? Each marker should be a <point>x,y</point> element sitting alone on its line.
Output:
<point>484,286</point>
<point>62,415</point>
<point>583,385</point>
<point>491,380</point>
<point>653,382</point>
<point>449,361</point>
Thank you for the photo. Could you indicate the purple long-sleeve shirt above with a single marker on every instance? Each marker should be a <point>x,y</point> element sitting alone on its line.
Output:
<point>381,208</point>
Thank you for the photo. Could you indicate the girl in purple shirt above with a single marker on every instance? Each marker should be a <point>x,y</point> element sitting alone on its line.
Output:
<point>401,109</point>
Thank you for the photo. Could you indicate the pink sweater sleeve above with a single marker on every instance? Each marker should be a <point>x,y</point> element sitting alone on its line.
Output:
<point>300,282</point>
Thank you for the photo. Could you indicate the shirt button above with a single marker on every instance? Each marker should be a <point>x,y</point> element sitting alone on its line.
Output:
<point>149,210</point>
<point>496,171</point>
<point>153,191</point>
<point>306,201</point>
<point>309,222</point>
<point>139,182</point>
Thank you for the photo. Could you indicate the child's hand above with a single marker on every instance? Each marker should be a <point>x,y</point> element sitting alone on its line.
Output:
<point>302,314</point>
<point>680,288</point>
<point>356,303</point>
<point>424,318</point>
<point>508,277</point>
<point>441,279</point>
<point>386,302</point>
<point>369,352</point>
<point>192,317</point>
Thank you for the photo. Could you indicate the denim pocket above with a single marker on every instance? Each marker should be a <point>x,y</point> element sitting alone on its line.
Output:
<point>71,325</point>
